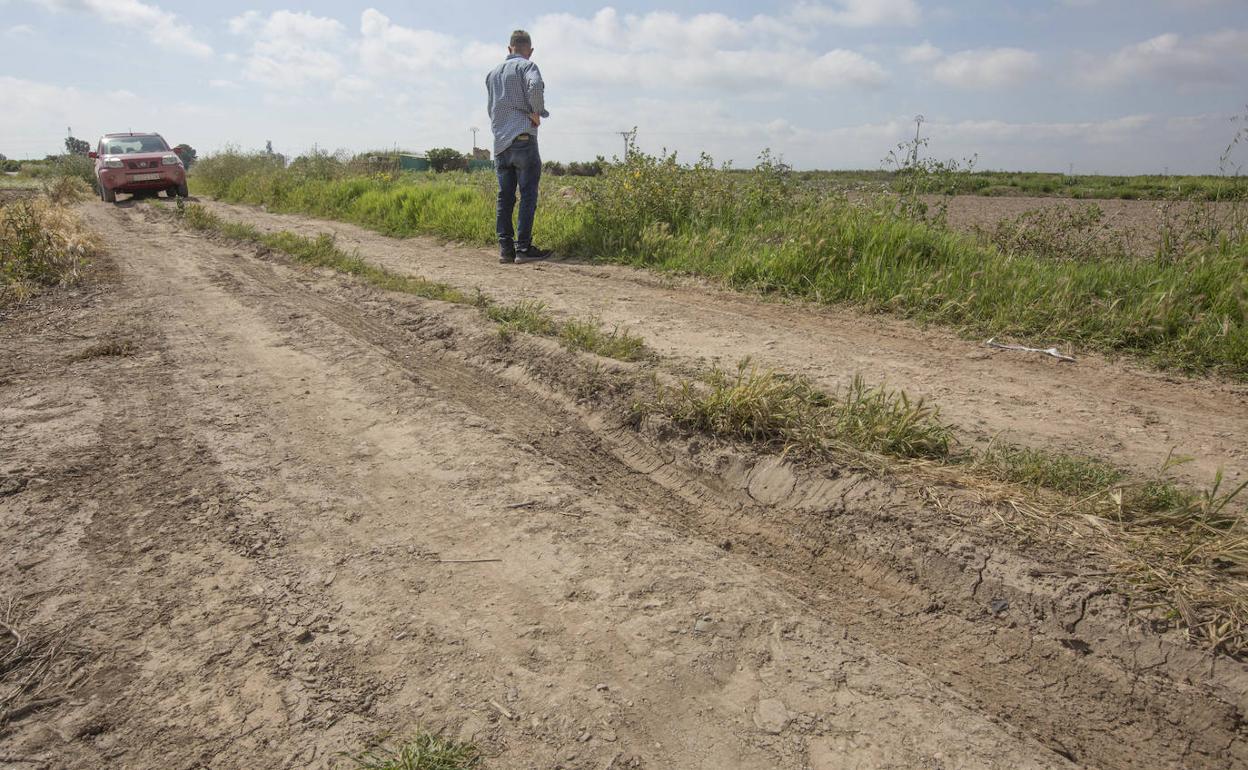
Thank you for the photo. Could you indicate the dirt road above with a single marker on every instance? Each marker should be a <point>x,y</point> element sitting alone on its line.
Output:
<point>1115,410</point>
<point>270,513</point>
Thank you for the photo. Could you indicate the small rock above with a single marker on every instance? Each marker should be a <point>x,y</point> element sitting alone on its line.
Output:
<point>11,485</point>
<point>771,716</point>
<point>602,687</point>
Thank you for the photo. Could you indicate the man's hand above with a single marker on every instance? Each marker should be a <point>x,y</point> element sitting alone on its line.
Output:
<point>535,119</point>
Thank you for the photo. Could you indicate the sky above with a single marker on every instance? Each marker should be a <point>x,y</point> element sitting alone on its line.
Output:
<point>1093,86</point>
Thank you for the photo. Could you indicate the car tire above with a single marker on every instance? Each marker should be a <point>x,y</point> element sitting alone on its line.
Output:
<point>183,190</point>
<point>109,196</point>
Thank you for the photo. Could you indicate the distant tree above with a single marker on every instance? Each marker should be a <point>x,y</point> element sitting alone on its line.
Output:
<point>187,154</point>
<point>554,168</point>
<point>446,159</point>
<point>591,168</point>
<point>3,157</point>
<point>77,146</point>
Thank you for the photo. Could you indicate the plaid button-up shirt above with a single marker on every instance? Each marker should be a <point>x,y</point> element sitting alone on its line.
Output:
<point>515,90</point>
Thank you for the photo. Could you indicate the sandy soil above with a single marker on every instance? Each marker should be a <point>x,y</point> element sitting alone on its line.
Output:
<point>295,513</point>
<point>1111,409</point>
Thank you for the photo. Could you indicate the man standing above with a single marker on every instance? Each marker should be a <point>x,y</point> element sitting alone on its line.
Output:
<point>517,106</point>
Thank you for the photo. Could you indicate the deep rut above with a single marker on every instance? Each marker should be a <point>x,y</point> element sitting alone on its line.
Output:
<point>1082,709</point>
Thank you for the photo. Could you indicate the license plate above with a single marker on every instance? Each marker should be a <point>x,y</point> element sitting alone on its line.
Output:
<point>144,177</point>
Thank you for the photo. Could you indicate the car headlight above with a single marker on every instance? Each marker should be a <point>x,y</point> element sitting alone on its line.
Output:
<point>170,160</point>
<point>114,163</point>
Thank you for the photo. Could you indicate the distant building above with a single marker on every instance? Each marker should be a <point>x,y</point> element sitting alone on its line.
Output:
<point>480,153</point>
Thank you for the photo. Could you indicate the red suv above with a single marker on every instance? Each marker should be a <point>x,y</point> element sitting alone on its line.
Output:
<point>136,163</point>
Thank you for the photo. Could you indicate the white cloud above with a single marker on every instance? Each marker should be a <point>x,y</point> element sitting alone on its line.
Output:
<point>986,68</point>
<point>925,53</point>
<point>20,30</point>
<point>860,13</point>
<point>161,27</point>
<point>290,50</point>
<point>388,48</point>
<point>1220,57</point>
<point>35,114</point>
<point>663,50</point>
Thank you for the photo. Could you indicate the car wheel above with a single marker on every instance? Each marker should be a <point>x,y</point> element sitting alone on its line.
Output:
<point>184,190</point>
<point>109,196</point>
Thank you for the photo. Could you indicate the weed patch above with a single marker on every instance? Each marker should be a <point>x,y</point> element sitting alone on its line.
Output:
<point>527,316</point>
<point>107,349</point>
<point>592,336</point>
<point>1030,467</point>
<point>425,751</point>
<point>788,412</point>
<point>41,244</point>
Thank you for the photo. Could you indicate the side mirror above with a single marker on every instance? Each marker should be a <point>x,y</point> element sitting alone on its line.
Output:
<point>93,154</point>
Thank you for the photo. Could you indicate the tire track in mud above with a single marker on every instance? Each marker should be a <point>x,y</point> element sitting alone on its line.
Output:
<point>1087,712</point>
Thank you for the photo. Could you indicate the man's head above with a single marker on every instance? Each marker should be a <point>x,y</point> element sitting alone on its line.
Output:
<point>521,44</point>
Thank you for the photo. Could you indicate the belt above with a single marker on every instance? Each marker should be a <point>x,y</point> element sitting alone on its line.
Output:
<point>523,138</point>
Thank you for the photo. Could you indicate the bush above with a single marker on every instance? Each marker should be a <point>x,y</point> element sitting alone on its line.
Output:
<point>446,159</point>
<point>188,155</point>
<point>593,168</point>
<point>41,244</point>
<point>320,164</point>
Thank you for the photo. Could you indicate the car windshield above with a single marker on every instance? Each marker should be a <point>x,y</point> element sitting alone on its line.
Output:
<point>122,145</point>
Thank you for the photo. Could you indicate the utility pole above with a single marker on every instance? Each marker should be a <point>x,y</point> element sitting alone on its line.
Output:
<point>474,131</point>
<point>629,138</point>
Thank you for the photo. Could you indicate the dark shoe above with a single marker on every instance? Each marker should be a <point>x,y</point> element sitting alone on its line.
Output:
<point>507,259</point>
<point>531,254</point>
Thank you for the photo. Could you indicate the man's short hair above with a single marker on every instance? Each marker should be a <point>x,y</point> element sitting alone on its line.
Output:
<point>521,39</point>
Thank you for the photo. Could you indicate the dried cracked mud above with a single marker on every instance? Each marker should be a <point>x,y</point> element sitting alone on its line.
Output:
<point>254,515</point>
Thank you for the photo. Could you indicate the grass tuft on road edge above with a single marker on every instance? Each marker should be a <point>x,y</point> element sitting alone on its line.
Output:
<point>1184,549</point>
<point>425,751</point>
<point>526,316</point>
<point>785,411</point>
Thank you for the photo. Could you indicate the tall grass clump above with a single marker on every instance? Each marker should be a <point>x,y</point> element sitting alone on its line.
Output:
<point>788,412</point>
<point>42,244</point>
<point>425,751</point>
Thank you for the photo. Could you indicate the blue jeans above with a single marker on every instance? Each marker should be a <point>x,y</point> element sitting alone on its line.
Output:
<point>518,165</point>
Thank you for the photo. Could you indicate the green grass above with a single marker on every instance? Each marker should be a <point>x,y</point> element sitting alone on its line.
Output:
<point>765,231</point>
<point>524,316</point>
<point>1046,184</point>
<point>788,412</point>
<point>593,336</point>
<point>1073,475</point>
<point>425,751</point>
